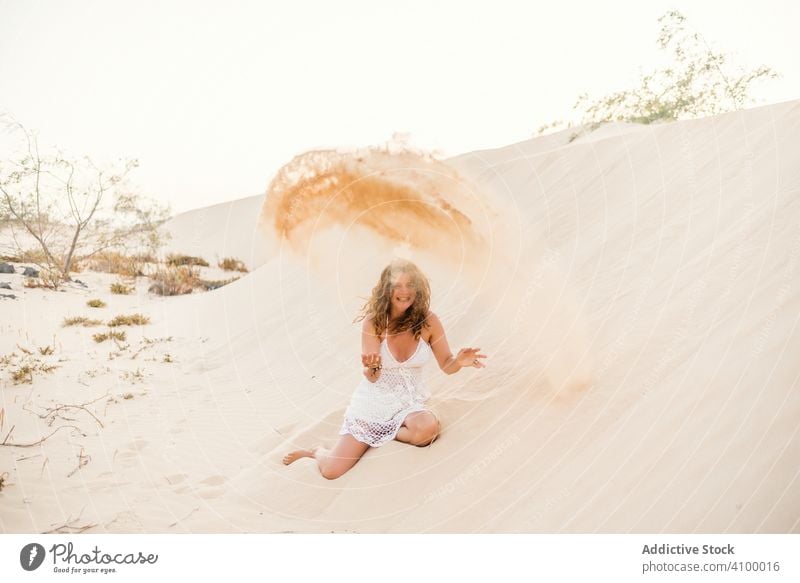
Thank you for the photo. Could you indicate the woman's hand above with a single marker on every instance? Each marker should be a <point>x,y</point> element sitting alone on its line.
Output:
<point>371,360</point>
<point>469,357</point>
<point>372,364</point>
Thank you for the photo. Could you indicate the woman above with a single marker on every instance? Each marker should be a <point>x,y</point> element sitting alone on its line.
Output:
<point>390,401</point>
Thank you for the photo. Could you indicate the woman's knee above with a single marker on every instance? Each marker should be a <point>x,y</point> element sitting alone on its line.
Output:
<point>427,429</point>
<point>332,471</point>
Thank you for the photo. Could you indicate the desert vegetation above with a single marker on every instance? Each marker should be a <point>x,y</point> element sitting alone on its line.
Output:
<point>232,264</point>
<point>119,288</point>
<point>81,321</point>
<point>176,260</point>
<point>698,81</point>
<point>119,336</point>
<point>129,320</point>
<point>22,367</point>
<point>76,210</point>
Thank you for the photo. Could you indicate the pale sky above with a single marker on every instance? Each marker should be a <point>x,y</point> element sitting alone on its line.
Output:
<point>214,97</point>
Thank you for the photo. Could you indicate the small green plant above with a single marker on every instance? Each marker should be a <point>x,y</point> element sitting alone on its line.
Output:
<point>121,289</point>
<point>129,320</point>
<point>103,336</point>
<point>232,264</point>
<point>80,321</point>
<point>96,303</point>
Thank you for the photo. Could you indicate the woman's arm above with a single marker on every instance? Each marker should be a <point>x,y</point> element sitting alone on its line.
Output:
<point>370,351</point>
<point>466,357</point>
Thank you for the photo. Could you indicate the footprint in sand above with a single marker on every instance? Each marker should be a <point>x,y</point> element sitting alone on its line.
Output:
<point>175,479</point>
<point>132,449</point>
<point>286,429</point>
<point>178,428</point>
<point>214,487</point>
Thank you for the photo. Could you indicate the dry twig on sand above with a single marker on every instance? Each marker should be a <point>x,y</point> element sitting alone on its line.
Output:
<point>54,411</point>
<point>42,440</point>
<point>68,527</point>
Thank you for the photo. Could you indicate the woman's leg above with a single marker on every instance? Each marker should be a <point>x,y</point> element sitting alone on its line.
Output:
<point>332,464</point>
<point>419,428</point>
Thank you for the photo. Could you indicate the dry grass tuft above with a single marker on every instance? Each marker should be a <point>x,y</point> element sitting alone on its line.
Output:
<point>129,320</point>
<point>80,321</point>
<point>32,255</point>
<point>118,263</point>
<point>209,284</point>
<point>23,366</point>
<point>232,264</point>
<point>48,279</point>
<point>24,373</point>
<point>103,336</point>
<point>96,303</point>
<point>176,259</point>
<point>136,376</point>
<point>174,280</point>
<point>120,288</point>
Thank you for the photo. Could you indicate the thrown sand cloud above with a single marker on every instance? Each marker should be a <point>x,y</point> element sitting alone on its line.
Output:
<point>348,213</point>
<point>402,197</point>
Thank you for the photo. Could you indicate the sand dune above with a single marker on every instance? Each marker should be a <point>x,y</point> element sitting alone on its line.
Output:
<point>636,290</point>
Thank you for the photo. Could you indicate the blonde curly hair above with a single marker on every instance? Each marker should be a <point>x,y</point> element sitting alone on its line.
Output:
<point>378,306</point>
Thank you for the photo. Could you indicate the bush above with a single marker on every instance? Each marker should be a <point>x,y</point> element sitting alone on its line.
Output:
<point>33,255</point>
<point>97,303</point>
<point>121,289</point>
<point>117,263</point>
<point>176,260</point>
<point>174,280</point>
<point>131,320</point>
<point>73,207</point>
<point>48,279</point>
<point>232,264</point>
<point>696,83</point>
<point>103,336</point>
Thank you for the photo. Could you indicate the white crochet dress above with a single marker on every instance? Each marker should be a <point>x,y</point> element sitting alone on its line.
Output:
<point>377,410</point>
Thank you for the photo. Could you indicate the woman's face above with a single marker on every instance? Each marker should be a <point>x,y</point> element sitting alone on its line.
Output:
<point>403,292</point>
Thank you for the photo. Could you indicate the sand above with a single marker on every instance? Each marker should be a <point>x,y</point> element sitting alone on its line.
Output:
<point>636,290</point>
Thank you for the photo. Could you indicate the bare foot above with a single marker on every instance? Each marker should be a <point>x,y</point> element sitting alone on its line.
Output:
<point>293,456</point>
